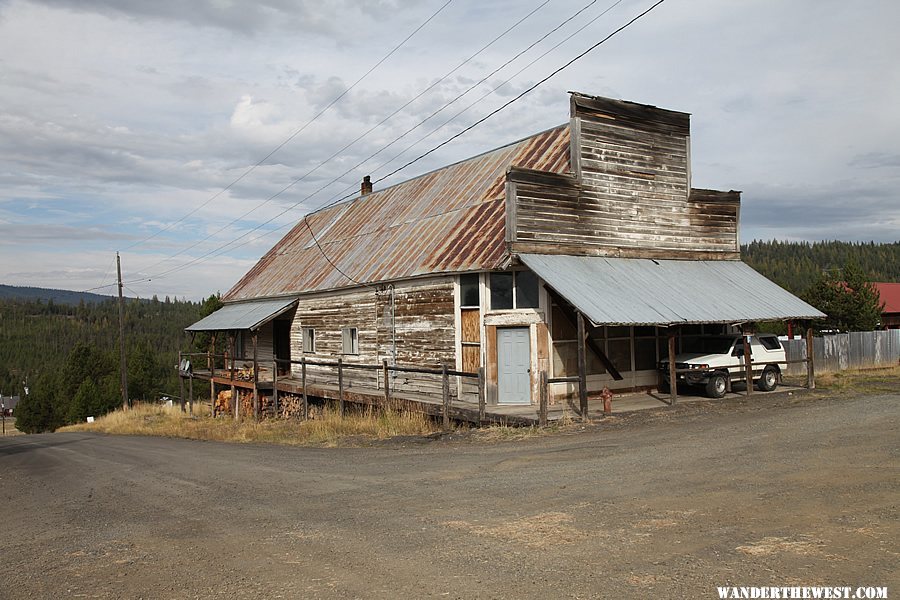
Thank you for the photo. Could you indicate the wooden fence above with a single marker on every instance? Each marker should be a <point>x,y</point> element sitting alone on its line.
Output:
<point>380,380</point>
<point>842,351</point>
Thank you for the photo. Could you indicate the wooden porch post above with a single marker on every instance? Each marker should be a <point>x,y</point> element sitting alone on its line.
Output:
<point>275,385</point>
<point>231,348</point>
<point>303,387</point>
<point>211,362</point>
<point>445,390</point>
<point>673,377</point>
<point>481,396</point>
<point>191,395</point>
<point>810,360</point>
<point>255,377</point>
<point>748,363</point>
<point>582,369</point>
<point>387,384</point>
<point>542,415</point>
<point>341,385</point>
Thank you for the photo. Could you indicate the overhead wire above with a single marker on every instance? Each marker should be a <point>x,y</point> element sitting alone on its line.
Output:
<point>374,127</point>
<point>435,148</point>
<point>231,243</point>
<point>295,133</point>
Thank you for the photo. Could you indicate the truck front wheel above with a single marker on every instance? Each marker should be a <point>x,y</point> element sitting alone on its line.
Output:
<point>768,381</point>
<point>715,387</point>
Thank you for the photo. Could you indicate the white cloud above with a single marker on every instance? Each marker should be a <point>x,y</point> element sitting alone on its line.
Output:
<point>120,117</point>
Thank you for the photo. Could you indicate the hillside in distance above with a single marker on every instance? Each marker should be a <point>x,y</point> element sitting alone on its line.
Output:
<point>796,266</point>
<point>70,297</point>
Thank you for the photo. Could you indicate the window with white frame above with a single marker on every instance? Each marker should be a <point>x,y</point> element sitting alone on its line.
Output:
<point>350,340</point>
<point>309,340</point>
<point>470,321</point>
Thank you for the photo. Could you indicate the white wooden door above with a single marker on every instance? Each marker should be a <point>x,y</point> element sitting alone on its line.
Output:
<point>513,358</point>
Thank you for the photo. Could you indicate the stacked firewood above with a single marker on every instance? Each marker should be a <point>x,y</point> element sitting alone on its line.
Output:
<point>223,403</point>
<point>244,373</point>
<point>290,406</point>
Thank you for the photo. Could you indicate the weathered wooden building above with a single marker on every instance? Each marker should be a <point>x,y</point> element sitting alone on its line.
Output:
<point>500,260</point>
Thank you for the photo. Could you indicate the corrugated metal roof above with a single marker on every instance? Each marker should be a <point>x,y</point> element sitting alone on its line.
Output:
<point>242,315</point>
<point>890,296</point>
<point>449,220</point>
<point>636,291</point>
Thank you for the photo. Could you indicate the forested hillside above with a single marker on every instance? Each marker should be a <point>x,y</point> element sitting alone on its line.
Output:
<point>70,359</point>
<point>796,266</point>
<point>16,292</point>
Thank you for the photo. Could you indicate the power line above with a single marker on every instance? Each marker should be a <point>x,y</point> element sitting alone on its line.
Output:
<point>215,251</point>
<point>374,127</point>
<point>522,94</point>
<point>295,133</point>
<point>437,147</point>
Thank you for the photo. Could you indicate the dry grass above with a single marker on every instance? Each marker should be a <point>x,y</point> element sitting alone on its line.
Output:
<point>11,427</point>
<point>329,429</point>
<point>858,379</point>
<point>512,433</point>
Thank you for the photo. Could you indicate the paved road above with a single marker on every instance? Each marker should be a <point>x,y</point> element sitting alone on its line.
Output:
<point>669,504</point>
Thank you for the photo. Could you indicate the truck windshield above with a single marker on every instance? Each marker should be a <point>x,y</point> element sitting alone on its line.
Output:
<point>711,345</point>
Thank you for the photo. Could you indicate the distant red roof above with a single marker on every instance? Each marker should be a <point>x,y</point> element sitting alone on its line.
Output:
<point>890,296</point>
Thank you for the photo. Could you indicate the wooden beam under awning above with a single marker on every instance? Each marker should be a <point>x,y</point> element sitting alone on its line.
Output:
<point>601,355</point>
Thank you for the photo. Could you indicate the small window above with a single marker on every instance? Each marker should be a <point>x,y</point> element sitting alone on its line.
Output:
<point>526,289</point>
<point>501,291</point>
<point>350,337</point>
<point>770,342</point>
<point>309,340</point>
<point>468,290</point>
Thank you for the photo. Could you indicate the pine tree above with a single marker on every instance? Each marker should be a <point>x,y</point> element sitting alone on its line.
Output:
<point>847,297</point>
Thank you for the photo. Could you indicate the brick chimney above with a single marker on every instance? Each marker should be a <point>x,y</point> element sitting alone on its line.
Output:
<point>366,187</point>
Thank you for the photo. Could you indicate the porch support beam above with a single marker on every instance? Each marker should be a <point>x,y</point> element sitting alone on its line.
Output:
<point>582,368</point>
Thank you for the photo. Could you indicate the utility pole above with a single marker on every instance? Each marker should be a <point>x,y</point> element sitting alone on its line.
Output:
<point>123,369</point>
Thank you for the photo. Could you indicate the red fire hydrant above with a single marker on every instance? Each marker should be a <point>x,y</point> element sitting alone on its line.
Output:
<point>607,395</point>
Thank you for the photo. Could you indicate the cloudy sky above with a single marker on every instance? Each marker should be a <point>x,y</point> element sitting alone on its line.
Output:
<point>147,127</point>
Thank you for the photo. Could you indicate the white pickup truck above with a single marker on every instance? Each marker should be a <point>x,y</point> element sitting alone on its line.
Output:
<point>714,358</point>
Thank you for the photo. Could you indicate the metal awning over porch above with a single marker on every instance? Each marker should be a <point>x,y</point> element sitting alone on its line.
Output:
<point>637,291</point>
<point>243,315</point>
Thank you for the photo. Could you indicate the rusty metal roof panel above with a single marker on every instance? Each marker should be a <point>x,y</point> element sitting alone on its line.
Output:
<point>639,291</point>
<point>449,220</point>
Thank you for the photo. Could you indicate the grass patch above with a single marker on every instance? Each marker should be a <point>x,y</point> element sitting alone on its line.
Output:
<point>859,379</point>
<point>329,428</point>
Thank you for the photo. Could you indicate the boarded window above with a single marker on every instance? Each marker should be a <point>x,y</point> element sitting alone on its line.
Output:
<point>350,337</point>
<point>309,340</point>
<point>471,357</point>
<point>470,336</point>
<point>471,325</point>
<point>468,290</point>
<point>501,291</point>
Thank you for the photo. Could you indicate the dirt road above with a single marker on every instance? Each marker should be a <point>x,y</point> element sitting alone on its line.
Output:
<point>781,490</point>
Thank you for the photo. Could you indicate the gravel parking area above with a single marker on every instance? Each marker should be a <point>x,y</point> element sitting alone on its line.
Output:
<point>779,489</point>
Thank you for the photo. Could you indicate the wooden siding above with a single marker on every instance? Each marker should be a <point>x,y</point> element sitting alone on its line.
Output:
<point>422,325</point>
<point>629,194</point>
